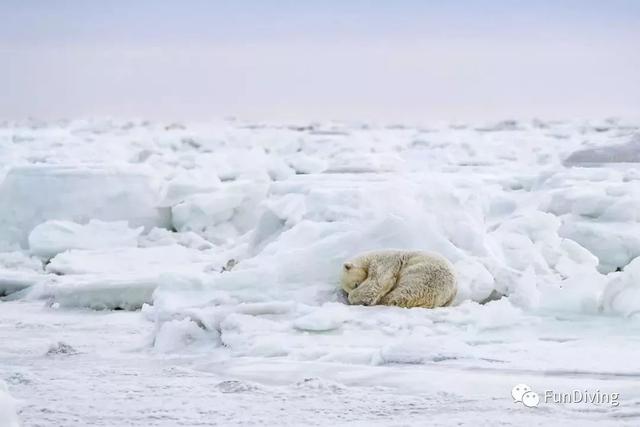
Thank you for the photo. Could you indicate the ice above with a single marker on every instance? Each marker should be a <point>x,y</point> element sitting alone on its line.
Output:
<point>11,281</point>
<point>628,152</point>
<point>18,271</point>
<point>131,260</point>
<point>164,237</point>
<point>122,277</point>
<point>622,294</point>
<point>97,292</point>
<point>304,164</point>
<point>222,215</point>
<point>18,261</point>
<point>182,335</point>
<point>8,407</point>
<point>598,209</point>
<point>589,203</point>
<point>220,197</point>
<point>50,238</point>
<point>31,195</point>
<point>189,183</point>
<point>229,237</point>
<point>329,316</point>
<point>478,282</point>
<point>365,163</point>
<point>615,244</point>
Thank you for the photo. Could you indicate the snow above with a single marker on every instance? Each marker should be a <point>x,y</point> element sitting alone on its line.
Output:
<point>8,415</point>
<point>220,244</point>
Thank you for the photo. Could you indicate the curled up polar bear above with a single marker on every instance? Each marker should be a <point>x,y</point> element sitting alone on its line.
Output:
<point>399,278</point>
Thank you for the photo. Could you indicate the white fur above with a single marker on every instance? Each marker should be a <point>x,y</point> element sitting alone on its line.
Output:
<point>399,278</point>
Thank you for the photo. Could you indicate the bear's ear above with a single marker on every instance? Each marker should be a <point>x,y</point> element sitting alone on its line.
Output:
<point>348,266</point>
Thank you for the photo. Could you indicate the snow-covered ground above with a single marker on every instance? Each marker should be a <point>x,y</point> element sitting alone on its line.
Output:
<point>186,274</point>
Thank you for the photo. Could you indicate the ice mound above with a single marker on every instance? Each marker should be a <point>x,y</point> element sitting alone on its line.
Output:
<point>159,259</point>
<point>20,261</point>
<point>34,194</point>
<point>18,271</point>
<point>614,243</point>
<point>11,281</point>
<point>622,294</point>
<point>123,278</point>
<point>96,291</point>
<point>602,201</point>
<point>306,233</point>
<point>628,152</point>
<point>304,164</point>
<point>188,183</point>
<point>598,209</point>
<point>543,269</point>
<point>222,215</point>
<point>237,163</point>
<point>50,238</point>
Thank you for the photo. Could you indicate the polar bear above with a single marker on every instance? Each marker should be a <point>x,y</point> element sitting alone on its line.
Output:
<point>399,278</point>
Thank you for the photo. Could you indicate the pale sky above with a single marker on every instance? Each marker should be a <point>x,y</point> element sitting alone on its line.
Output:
<point>289,60</point>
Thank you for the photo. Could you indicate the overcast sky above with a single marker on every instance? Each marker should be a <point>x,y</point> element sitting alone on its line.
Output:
<point>281,60</point>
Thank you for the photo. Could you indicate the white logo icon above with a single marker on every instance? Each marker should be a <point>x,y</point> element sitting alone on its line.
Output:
<point>518,391</point>
<point>522,393</point>
<point>530,399</point>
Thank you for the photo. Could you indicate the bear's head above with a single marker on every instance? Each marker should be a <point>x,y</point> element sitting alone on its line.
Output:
<point>352,276</point>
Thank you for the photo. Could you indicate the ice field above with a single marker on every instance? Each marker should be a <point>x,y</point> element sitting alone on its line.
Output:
<point>162,274</point>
